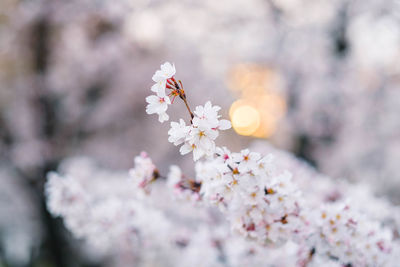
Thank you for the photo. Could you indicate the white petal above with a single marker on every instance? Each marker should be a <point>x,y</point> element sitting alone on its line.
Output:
<point>151,109</point>
<point>186,148</point>
<point>161,107</point>
<point>159,88</point>
<point>167,100</point>
<point>163,117</point>
<point>197,153</point>
<point>168,70</point>
<point>224,125</point>
<point>237,157</point>
<point>196,121</point>
<point>199,111</point>
<point>158,76</point>
<point>173,124</point>
<point>152,99</point>
<point>245,151</point>
<point>254,156</point>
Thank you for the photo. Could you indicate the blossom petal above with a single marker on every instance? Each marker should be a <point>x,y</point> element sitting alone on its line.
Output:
<point>224,125</point>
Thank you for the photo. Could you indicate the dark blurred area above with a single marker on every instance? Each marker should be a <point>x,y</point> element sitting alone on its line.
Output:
<point>317,78</point>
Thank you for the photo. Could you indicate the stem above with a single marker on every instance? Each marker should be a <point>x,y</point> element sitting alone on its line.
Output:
<point>188,108</point>
<point>183,97</point>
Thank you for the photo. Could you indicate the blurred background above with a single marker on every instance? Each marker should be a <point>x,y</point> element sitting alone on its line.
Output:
<point>319,78</point>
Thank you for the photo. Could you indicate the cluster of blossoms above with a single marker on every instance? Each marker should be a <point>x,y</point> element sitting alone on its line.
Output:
<point>142,219</point>
<point>258,203</point>
<point>200,135</point>
<point>262,203</point>
<point>164,79</point>
<point>159,102</point>
<point>344,229</point>
<point>109,42</point>
<point>92,201</point>
<point>149,224</point>
<point>280,212</point>
<point>351,237</point>
<point>205,123</point>
<point>126,216</point>
<point>295,216</point>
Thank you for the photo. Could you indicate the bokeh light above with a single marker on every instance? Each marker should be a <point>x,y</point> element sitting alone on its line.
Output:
<point>245,118</point>
<point>261,104</point>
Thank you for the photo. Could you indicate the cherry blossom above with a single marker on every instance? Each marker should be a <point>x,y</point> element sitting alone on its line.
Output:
<point>144,171</point>
<point>178,132</point>
<point>161,76</point>
<point>200,135</point>
<point>264,202</point>
<point>158,104</point>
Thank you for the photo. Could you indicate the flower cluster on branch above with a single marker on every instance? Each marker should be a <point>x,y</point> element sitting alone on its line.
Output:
<point>240,208</point>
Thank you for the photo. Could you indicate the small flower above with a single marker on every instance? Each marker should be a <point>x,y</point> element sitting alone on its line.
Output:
<point>248,160</point>
<point>178,132</point>
<point>167,71</point>
<point>224,154</point>
<point>158,104</point>
<point>198,137</point>
<point>144,172</point>
<point>206,116</point>
<point>264,166</point>
<point>198,152</point>
<point>203,139</point>
<point>174,176</point>
<point>161,76</point>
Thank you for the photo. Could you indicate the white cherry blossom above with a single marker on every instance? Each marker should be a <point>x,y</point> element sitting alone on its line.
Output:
<point>158,104</point>
<point>167,71</point>
<point>161,76</point>
<point>143,172</point>
<point>261,203</point>
<point>178,132</point>
<point>248,160</point>
<point>200,135</point>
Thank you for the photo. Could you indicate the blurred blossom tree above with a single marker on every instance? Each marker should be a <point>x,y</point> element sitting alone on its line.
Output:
<point>72,75</point>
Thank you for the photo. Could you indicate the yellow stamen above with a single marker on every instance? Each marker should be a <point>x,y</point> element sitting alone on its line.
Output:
<point>270,191</point>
